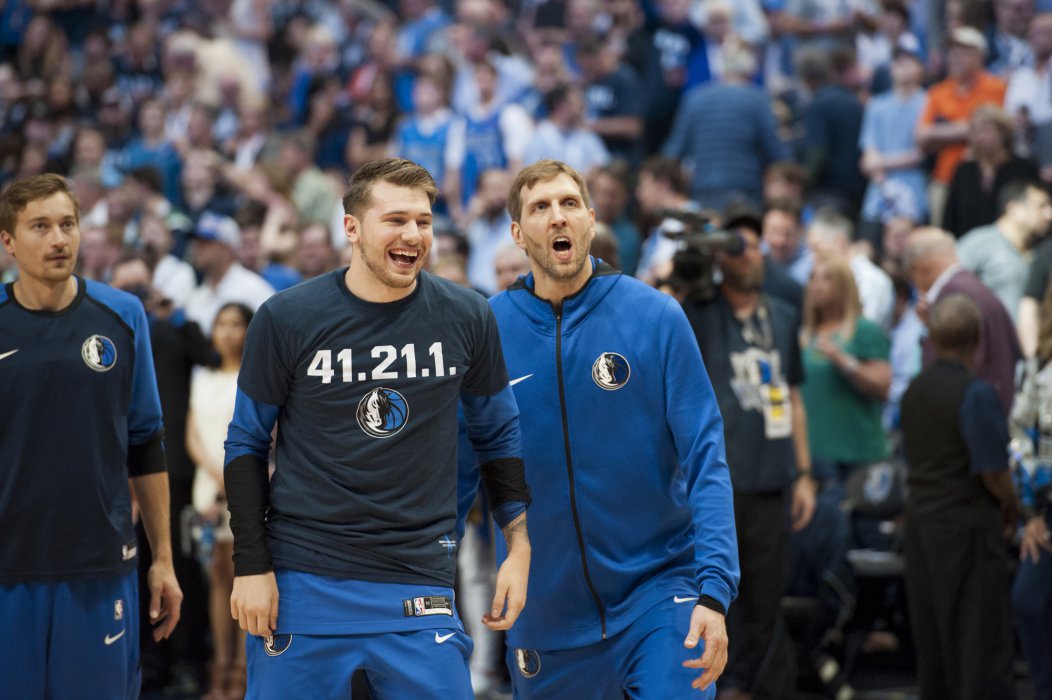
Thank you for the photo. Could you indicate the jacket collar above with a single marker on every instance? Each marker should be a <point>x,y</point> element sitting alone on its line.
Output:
<point>576,307</point>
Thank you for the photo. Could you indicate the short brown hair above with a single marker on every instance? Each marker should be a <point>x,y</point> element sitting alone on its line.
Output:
<point>397,171</point>
<point>21,192</point>
<point>955,324</point>
<point>668,171</point>
<point>542,171</point>
<point>789,207</point>
<point>791,172</point>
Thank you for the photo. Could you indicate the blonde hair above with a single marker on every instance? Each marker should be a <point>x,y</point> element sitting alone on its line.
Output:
<point>846,291</point>
<point>542,171</point>
<point>999,118</point>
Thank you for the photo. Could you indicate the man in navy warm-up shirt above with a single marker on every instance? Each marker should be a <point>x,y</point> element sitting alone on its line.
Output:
<point>82,421</point>
<point>346,559</point>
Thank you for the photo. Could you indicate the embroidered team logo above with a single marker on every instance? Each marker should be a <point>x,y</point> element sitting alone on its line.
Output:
<point>382,412</point>
<point>611,371</point>
<point>277,644</point>
<point>528,661</point>
<point>118,609</point>
<point>99,353</point>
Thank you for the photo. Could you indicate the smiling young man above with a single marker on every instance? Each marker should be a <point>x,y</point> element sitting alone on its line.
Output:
<point>633,532</point>
<point>77,376</point>
<point>345,560</point>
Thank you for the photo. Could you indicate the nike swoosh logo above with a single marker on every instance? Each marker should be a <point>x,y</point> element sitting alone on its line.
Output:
<point>687,599</point>
<point>9,353</point>
<point>513,382</point>
<point>440,639</point>
<point>110,640</point>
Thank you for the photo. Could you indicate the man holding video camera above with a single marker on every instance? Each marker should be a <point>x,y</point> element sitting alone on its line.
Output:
<point>748,340</point>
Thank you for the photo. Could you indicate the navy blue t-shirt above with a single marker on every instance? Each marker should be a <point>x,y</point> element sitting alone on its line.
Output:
<point>365,479</point>
<point>81,415</point>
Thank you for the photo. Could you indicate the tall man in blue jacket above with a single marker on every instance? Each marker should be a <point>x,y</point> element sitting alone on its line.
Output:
<point>634,545</point>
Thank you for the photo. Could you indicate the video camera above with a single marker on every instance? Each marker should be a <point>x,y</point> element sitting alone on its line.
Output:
<point>693,273</point>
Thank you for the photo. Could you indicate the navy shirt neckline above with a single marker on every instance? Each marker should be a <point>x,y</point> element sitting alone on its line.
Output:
<point>9,289</point>
<point>376,307</point>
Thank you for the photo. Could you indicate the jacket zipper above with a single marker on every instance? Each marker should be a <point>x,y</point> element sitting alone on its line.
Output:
<point>569,472</point>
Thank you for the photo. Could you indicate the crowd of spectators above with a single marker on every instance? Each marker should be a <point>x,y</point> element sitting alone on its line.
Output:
<point>887,149</point>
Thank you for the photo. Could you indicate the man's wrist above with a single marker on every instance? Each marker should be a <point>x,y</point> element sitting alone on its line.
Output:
<point>162,559</point>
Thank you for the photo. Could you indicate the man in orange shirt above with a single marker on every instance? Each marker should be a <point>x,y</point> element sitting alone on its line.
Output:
<point>943,126</point>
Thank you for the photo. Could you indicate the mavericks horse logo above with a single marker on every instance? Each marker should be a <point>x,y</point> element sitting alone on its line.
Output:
<point>611,371</point>
<point>277,644</point>
<point>382,412</point>
<point>528,661</point>
<point>99,353</point>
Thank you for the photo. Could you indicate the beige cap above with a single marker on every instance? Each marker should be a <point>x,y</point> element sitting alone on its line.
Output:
<point>970,37</point>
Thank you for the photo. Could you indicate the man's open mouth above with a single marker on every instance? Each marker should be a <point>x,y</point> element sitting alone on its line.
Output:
<point>563,247</point>
<point>404,257</point>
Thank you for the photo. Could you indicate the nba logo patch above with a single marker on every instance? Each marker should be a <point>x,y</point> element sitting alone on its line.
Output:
<point>118,610</point>
<point>418,606</point>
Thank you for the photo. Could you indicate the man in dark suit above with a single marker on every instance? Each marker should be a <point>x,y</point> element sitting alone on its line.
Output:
<point>930,261</point>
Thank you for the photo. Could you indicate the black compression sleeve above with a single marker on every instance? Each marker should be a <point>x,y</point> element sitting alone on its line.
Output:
<point>147,457</point>
<point>712,604</point>
<point>505,481</point>
<point>248,497</point>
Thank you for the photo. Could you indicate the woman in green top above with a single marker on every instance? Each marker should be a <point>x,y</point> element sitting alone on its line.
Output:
<point>846,372</point>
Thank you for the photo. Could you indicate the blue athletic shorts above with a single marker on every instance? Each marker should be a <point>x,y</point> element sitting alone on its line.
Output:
<point>71,639</point>
<point>420,664</point>
<point>643,662</point>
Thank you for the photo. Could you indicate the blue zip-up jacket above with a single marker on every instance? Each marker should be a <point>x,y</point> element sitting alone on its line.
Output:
<point>623,444</point>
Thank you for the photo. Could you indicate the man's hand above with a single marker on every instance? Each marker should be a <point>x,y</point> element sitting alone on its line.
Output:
<point>254,603</point>
<point>512,577</point>
<point>1035,538</point>
<point>711,627</point>
<point>165,598</point>
<point>803,501</point>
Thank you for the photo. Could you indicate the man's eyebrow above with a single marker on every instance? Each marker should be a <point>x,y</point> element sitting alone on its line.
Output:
<point>560,196</point>
<point>405,212</point>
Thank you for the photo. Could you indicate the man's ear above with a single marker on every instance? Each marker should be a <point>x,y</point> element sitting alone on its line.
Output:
<point>516,235</point>
<point>8,239</point>
<point>352,228</point>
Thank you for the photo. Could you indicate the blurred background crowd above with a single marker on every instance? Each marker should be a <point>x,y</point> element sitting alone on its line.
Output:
<point>877,147</point>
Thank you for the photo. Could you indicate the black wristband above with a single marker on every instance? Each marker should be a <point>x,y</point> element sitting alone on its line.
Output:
<point>248,498</point>
<point>505,481</point>
<point>707,601</point>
